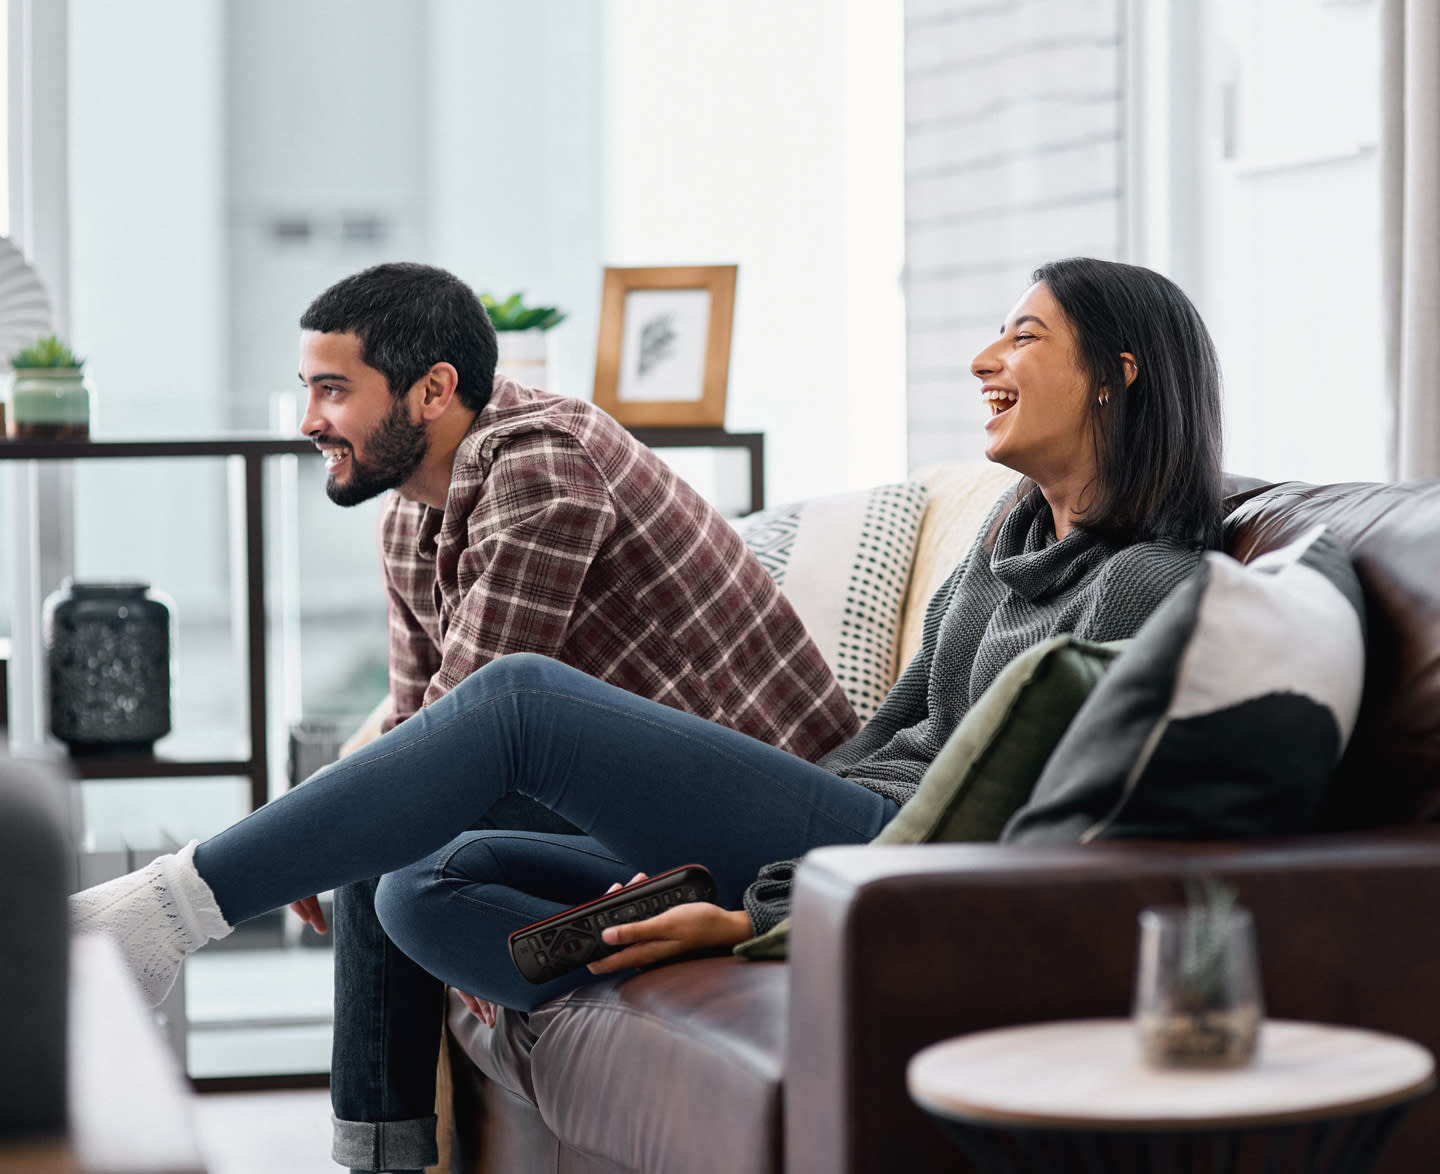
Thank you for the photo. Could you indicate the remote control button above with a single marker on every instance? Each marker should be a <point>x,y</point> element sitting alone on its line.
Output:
<point>572,944</point>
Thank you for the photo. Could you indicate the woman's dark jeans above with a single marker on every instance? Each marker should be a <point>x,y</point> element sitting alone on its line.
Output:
<point>650,788</point>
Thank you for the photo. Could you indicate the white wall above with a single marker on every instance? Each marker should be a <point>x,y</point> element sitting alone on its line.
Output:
<point>769,135</point>
<point>325,169</point>
<point>515,145</point>
<point>1014,157</point>
<point>146,213</point>
<point>516,188</point>
<point>147,280</point>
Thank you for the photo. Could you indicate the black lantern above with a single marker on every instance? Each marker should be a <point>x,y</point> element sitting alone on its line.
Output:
<point>108,649</point>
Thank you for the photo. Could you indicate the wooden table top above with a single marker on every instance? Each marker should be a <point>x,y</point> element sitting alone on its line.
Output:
<point>1088,1074</point>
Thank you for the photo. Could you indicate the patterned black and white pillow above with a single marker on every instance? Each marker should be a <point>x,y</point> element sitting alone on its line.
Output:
<point>1227,714</point>
<point>843,561</point>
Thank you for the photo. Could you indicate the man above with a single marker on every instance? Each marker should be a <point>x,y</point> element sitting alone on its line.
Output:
<point>523,522</point>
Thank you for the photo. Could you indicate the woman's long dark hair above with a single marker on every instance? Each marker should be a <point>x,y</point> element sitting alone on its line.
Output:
<point>1157,441</point>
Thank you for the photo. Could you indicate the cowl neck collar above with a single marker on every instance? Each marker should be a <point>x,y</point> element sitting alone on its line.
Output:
<point>1029,560</point>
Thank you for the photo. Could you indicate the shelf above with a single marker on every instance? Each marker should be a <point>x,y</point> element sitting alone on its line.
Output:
<point>251,450</point>
<point>752,442</point>
<point>81,450</point>
<point>124,765</point>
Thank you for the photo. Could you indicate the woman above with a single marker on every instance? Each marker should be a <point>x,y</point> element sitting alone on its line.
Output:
<point>1103,393</point>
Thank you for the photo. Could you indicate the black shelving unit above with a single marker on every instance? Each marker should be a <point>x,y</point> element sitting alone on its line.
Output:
<point>752,442</point>
<point>253,451</point>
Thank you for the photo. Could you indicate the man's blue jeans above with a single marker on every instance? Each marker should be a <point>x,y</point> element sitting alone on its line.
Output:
<point>388,1011</point>
<point>650,788</point>
<point>386,1043</point>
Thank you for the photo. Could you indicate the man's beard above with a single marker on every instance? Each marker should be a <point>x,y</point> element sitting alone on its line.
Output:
<point>393,451</point>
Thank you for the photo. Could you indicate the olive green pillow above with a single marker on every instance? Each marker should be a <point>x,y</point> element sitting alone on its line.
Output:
<point>991,761</point>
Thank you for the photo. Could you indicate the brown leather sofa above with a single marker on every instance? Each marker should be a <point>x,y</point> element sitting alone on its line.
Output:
<point>727,1066</point>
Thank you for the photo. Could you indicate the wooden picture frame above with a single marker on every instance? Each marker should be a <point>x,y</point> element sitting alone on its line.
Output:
<point>663,355</point>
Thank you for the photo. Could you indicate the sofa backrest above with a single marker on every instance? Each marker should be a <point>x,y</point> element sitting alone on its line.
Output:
<point>1390,773</point>
<point>959,497</point>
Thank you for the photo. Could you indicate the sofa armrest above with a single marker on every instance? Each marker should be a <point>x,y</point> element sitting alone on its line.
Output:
<point>894,948</point>
<point>131,1108</point>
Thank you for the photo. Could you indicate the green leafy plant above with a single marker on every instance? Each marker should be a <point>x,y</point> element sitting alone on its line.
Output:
<point>513,314</point>
<point>1201,982</point>
<point>47,351</point>
<point>1198,1001</point>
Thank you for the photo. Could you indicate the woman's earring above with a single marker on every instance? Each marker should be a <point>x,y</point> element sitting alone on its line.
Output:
<point>1104,398</point>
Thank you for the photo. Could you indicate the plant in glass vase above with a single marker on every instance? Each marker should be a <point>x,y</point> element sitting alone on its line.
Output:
<point>522,333</point>
<point>48,396</point>
<point>1197,999</point>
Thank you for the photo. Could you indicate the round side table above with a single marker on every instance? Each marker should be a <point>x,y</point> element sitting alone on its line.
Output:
<point>1076,1096</point>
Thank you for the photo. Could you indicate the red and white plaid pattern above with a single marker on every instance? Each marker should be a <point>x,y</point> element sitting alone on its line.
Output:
<point>564,536</point>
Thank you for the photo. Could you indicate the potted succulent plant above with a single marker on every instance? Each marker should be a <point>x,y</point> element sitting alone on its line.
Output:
<point>522,332</point>
<point>48,396</point>
<point>1197,998</point>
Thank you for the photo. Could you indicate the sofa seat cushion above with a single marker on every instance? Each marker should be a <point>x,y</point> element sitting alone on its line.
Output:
<point>689,1059</point>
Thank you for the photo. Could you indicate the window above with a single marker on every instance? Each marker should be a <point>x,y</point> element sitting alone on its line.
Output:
<point>1272,201</point>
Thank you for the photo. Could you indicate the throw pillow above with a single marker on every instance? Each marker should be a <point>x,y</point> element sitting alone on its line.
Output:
<point>843,561</point>
<point>992,759</point>
<point>1226,717</point>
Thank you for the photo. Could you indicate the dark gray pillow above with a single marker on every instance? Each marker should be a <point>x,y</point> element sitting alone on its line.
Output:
<point>1227,715</point>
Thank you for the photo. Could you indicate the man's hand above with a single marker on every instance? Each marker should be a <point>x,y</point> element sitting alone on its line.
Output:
<point>482,1009</point>
<point>308,910</point>
<point>681,929</point>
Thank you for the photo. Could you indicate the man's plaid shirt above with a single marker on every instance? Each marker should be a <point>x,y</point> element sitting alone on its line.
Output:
<point>564,536</point>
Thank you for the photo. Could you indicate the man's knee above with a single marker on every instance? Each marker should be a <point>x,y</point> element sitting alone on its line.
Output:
<point>519,671</point>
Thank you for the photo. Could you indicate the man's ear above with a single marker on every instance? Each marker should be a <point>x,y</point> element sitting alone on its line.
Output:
<point>1132,368</point>
<point>437,390</point>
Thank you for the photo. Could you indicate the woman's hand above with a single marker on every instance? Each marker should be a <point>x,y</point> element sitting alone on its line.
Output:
<point>696,925</point>
<point>681,929</point>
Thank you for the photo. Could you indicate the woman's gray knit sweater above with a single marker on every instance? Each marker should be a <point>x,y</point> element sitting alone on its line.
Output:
<point>997,603</point>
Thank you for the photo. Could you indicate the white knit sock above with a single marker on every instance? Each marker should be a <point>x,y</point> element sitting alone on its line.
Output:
<point>158,914</point>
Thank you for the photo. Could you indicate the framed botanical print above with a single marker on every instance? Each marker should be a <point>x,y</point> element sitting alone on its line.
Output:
<point>663,356</point>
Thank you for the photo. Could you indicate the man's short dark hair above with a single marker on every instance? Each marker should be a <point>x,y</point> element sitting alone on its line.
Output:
<point>410,317</point>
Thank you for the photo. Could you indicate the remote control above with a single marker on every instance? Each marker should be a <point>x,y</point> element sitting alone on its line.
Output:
<point>571,939</point>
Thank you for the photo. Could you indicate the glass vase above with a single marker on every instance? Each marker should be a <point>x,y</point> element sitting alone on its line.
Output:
<point>1198,1001</point>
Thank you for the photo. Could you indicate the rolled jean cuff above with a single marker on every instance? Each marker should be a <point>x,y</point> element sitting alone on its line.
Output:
<point>386,1145</point>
